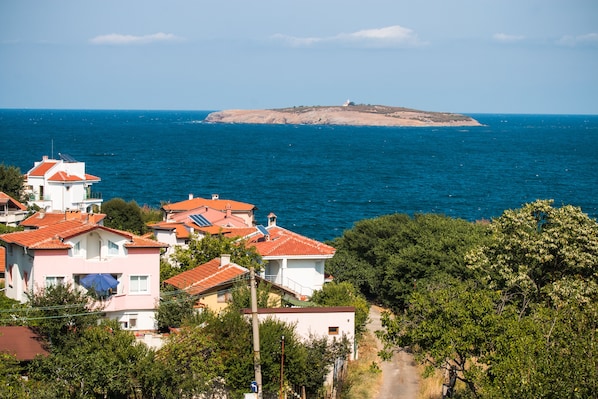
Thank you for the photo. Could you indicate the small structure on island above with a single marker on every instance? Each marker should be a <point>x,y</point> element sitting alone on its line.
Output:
<point>348,103</point>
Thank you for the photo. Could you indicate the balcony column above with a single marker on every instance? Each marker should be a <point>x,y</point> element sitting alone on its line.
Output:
<point>283,268</point>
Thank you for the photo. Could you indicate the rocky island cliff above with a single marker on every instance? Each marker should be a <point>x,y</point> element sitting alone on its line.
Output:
<point>354,115</point>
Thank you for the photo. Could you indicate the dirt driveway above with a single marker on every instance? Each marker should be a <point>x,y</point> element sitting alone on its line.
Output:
<point>400,379</point>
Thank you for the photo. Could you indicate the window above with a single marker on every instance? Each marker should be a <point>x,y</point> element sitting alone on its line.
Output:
<point>139,284</point>
<point>224,296</point>
<point>112,248</point>
<point>52,281</point>
<point>77,249</point>
<point>332,330</point>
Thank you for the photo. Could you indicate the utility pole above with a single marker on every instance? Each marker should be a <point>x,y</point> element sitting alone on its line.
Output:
<point>257,365</point>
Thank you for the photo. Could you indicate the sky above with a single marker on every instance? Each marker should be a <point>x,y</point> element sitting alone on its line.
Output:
<point>468,56</point>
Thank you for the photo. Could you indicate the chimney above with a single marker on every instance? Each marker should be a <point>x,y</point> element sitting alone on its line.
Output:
<point>224,260</point>
<point>45,158</point>
<point>72,214</point>
<point>228,210</point>
<point>190,196</point>
<point>271,220</point>
<point>215,196</point>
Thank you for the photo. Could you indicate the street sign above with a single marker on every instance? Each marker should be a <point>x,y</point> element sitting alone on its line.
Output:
<point>253,387</point>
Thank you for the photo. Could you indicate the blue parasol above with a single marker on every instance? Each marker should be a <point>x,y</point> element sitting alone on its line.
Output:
<point>101,283</point>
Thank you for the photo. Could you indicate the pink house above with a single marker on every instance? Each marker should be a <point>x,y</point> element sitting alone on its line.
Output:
<point>68,251</point>
<point>203,217</point>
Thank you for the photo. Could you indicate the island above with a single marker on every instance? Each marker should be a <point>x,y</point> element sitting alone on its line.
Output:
<point>347,114</point>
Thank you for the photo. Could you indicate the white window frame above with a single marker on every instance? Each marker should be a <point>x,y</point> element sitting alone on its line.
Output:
<point>77,248</point>
<point>135,287</point>
<point>113,248</point>
<point>56,280</point>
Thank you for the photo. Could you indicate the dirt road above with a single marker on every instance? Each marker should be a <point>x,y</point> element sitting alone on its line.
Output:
<point>400,379</point>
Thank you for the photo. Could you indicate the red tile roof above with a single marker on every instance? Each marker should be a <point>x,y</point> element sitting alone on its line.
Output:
<point>283,242</point>
<point>41,169</point>
<point>53,236</point>
<point>21,342</point>
<point>89,177</point>
<point>42,219</point>
<point>178,227</point>
<point>206,276</point>
<point>5,199</point>
<point>218,204</point>
<point>65,177</point>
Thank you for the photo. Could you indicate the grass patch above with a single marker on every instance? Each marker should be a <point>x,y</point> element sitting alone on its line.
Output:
<point>364,376</point>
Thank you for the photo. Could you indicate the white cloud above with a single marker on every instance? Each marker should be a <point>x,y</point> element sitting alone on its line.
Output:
<point>118,39</point>
<point>390,36</point>
<point>506,38</point>
<point>580,40</point>
<point>296,41</point>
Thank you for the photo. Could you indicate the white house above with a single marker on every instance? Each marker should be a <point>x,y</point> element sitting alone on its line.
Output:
<point>12,212</point>
<point>293,261</point>
<point>332,322</point>
<point>70,250</point>
<point>61,185</point>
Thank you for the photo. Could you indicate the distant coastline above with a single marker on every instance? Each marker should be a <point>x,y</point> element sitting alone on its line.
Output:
<point>348,115</point>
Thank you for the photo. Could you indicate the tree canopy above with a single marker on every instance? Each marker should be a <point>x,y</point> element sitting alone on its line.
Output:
<point>11,181</point>
<point>527,328</point>
<point>123,215</point>
<point>386,257</point>
<point>203,249</point>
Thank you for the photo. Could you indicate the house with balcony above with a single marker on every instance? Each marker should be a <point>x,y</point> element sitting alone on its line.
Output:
<point>213,282</point>
<point>69,251</point>
<point>12,212</point>
<point>61,185</point>
<point>291,260</point>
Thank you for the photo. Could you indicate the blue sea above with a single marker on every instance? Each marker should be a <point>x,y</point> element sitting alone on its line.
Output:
<point>319,180</point>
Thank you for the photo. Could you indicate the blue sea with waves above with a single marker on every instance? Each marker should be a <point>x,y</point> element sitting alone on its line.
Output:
<point>319,180</point>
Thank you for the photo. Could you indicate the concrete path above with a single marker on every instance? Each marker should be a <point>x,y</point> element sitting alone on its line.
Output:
<point>400,378</point>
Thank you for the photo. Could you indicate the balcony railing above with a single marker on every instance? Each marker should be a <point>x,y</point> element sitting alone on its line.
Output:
<point>290,284</point>
<point>93,195</point>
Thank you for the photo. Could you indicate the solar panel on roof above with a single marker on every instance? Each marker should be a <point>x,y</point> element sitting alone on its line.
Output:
<point>67,158</point>
<point>263,230</point>
<point>200,220</point>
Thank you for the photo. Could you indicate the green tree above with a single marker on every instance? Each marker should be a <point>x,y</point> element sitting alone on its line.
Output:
<point>538,253</point>
<point>61,313</point>
<point>241,296</point>
<point>201,250</point>
<point>102,364</point>
<point>447,324</point>
<point>174,309</point>
<point>11,310</point>
<point>550,353</point>
<point>123,215</point>
<point>235,346</point>
<point>293,360</point>
<point>11,181</point>
<point>528,328</point>
<point>13,386</point>
<point>387,257</point>
<point>191,365</point>
<point>344,294</point>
